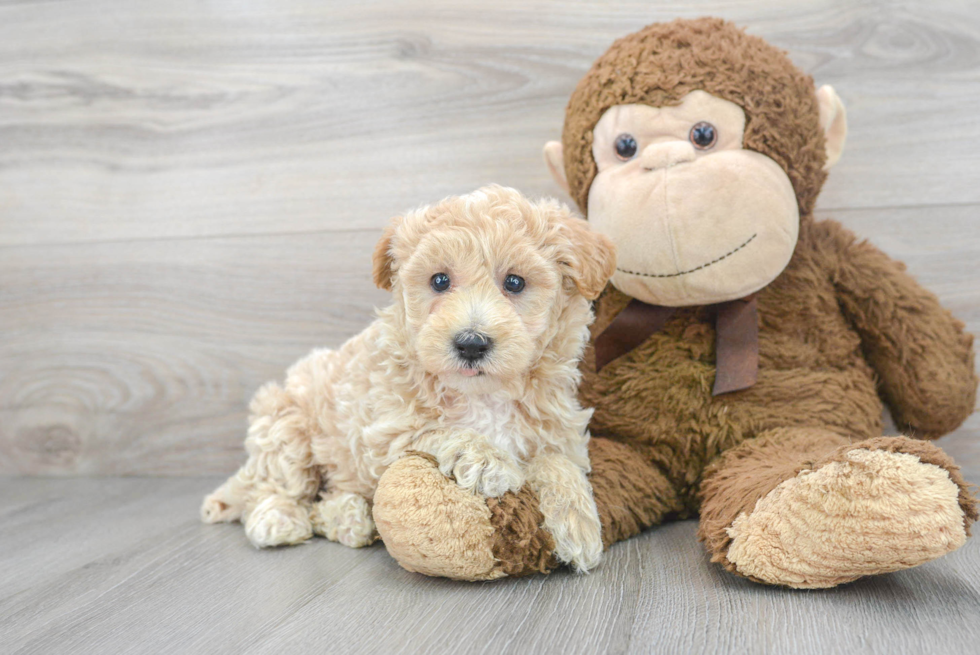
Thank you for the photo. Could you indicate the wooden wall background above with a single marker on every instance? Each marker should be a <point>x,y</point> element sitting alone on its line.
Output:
<point>190,191</point>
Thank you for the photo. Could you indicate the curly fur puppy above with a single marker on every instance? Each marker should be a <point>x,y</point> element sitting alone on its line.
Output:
<point>475,363</point>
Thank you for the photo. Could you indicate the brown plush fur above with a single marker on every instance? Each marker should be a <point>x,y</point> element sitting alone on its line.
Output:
<point>842,329</point>
<point>662,63</point>
<point>826,518</point>
<point>927,453</point>
<point>520,545</point>
<point>631,492</point>
<point>741,476</point>
<point>812,367</point>
<point>841,325</point>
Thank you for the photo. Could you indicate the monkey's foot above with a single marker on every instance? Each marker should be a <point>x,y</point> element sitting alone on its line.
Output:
<point>431,525</point>
<point>878,506</point>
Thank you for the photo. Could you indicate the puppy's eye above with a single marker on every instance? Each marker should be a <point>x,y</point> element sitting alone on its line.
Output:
<point>439,282</point>
<point>703,135</point>
<point>625,146</point>
<point>514,283</point>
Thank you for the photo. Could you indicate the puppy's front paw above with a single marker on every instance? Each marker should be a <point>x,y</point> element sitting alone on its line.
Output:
<point>570,514</point>
<point>484,469</point>
<point>578,538</point>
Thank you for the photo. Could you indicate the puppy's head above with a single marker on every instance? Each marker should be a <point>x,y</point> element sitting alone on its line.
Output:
<point>484,282</point>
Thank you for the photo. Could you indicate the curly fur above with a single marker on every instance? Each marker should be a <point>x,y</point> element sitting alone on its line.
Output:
<point>319,443</point>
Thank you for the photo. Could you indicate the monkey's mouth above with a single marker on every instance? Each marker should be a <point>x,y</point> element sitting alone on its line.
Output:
<point>696,268</point>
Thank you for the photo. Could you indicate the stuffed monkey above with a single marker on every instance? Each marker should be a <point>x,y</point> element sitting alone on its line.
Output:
<point>742,352</point>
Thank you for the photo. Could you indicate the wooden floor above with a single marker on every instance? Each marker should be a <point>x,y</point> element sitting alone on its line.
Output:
<point>189,195</point>
<point>121,565</point>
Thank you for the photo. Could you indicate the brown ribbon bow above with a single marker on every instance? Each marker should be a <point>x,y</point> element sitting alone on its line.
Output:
<point>736,339</point>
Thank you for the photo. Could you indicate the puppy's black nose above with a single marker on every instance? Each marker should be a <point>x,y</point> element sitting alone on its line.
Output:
<point>472,346</point>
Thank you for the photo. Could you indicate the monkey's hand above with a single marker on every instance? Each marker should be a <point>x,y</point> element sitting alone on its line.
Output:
<point>923,357</point>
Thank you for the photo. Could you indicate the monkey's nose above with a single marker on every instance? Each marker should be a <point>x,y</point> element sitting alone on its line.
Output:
<point>664,155</point>
<point>472,346</point>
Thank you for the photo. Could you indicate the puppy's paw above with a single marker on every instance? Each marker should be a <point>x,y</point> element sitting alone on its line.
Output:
<point>578,537</point>
<point>278,521</point>
<point>481,468</point>
<point>214,509</point>
<point>345,518</point>
<point>570,514</point>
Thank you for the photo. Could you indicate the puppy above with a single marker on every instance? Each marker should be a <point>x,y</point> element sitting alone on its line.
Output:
<point>475,362</point>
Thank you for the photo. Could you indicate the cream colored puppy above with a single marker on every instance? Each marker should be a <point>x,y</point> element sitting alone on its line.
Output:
<point>475,362</point>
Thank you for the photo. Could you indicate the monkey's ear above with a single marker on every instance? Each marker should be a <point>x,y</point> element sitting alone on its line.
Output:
<point>554,157</point>
<point>383,259</point>
<point>589,257</point>
<point>833,121</point>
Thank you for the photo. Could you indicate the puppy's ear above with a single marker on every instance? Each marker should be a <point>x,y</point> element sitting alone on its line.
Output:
<point>383,258</point>
<point>588,257</point>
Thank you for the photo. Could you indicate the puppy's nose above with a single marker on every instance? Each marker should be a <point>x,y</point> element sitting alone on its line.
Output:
<point>472,346</point>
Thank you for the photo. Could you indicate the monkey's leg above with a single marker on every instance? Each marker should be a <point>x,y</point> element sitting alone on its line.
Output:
<point>432,526</point>
<point>806,508</point>
<point>272,491</point>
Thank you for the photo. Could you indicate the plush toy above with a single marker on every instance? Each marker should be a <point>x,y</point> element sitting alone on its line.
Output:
<point>742,352</point>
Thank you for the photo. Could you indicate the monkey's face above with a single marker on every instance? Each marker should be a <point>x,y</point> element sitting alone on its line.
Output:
<point>696,218</point>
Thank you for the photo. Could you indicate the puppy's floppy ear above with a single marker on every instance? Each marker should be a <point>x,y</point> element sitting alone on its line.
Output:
<point>588,257</point>
<point>383,258</point>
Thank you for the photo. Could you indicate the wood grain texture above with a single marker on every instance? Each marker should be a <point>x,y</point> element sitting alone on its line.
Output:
<point>122,566</point>
<point>140,360</point>
<point>189,195</point>
<point>176,118</point>
<point>189,192</point>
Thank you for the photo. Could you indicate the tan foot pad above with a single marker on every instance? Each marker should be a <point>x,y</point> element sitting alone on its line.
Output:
<point>874,512</point>
<point>432,526</point>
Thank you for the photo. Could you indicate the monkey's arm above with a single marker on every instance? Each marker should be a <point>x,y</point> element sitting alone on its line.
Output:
<point>923,357</point>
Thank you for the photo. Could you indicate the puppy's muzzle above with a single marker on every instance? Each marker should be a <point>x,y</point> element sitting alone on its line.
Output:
<point>472,346</point>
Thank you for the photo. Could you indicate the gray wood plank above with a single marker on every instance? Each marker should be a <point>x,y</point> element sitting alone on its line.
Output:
<point>72,522</point>
<point>140,357</point>
<point>133,358</point>
<point>189,194</point>
<point>141,594</point>
<point>127,586</point>
<point>160,119</point>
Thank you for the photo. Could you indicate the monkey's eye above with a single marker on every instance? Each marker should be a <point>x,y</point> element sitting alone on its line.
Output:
<point>439,282</point>
<point>703,135</point>
<point>625,146</point>
<point>514,283</point>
